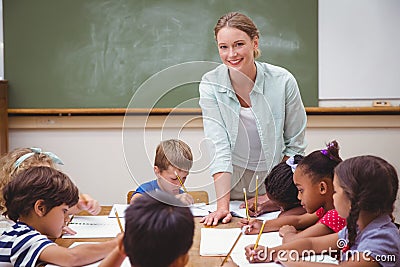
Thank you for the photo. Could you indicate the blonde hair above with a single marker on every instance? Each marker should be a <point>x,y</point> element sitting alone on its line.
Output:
<point>174,153</point>
<point>8,169</point>
<point>241,22</point>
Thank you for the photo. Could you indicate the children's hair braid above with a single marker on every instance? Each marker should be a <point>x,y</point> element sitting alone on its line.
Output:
<point>352,223</point>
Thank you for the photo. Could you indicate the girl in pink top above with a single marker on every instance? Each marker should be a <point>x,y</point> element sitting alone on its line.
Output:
<point>313,178</point>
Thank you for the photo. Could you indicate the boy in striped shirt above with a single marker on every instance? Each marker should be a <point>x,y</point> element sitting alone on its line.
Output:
<point>38,201</point>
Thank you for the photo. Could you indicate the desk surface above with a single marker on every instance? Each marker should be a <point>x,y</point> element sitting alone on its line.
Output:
<point>195,260</point>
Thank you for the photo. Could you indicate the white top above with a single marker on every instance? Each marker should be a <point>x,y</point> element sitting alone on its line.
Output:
<point>248,153</point>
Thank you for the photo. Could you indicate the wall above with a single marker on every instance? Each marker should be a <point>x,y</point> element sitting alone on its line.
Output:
<point>93,148</point>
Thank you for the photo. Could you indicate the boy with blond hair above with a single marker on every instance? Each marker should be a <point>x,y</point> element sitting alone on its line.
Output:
<point>172,163</point>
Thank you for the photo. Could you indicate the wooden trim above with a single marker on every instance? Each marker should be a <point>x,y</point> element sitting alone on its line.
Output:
<point>394,110</point>
<point>3,117</point>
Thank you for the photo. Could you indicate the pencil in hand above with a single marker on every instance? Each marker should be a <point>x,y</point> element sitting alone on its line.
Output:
<point>247,204</point>
<point>258,238</point>
<point>181,182</point>
<point>119,221</point>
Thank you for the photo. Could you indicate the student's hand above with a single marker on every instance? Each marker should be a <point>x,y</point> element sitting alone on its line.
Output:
<point>287,229</point>
<point>251,227</point>
<point>287,232</point>
<point>264,205</point>
<point>257,255</point>
<point>213,218</point>
<point>67,230</point>
<point>185,198</point>
<point>89,204</point>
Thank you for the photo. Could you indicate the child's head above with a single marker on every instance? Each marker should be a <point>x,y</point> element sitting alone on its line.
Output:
<point>364,183</point>
<point>21,159</point>
<point>172,157</point>
<point>158,231</point>
<point>314,177</point>
<point>280,186</point>
<point>41,192</point>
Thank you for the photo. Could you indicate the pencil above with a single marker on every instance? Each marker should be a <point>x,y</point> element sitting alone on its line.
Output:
<point>256,197</point>
<point>247,205</point>
<point>230,251</point>
<point>70,220</point>
<point>119,221</point>
<point>180,181</point>
<point>258,237</point>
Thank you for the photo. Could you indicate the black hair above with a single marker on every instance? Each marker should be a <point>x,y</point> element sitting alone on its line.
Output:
<point>280,186</point>
<point>371,184</point>
<point>320,164</point>
<point>35,183</point>
<point>158,230</point>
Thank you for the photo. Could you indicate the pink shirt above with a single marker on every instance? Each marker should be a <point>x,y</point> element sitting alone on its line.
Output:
<point>331,219</point>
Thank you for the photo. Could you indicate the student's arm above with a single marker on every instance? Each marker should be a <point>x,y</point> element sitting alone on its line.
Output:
<point>87,203</point>
<point>298,221</point>
<point>185,198</point>
<point>79,255</point>
<point>116,257</point>
<point>222,182</point>
<point>316,244</point>
<point>318,229</point>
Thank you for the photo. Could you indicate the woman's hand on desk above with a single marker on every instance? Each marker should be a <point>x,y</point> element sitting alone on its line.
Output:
<point>213,218</point>
<point>252,227</point>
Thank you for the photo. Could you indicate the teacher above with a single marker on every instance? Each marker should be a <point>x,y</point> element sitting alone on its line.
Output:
<point>252,114</point>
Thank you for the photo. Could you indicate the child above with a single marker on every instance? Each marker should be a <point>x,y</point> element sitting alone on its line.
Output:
<point>23,158</point>
<point>281,188</point>
<point>38,201</point>
<point>365,192</point>
<point>158,233</point>
<point>172,162</point>
<point>313,179</point>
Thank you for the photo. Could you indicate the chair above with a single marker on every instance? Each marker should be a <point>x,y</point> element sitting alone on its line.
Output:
<point>129,196</point>
<point>198,196</point>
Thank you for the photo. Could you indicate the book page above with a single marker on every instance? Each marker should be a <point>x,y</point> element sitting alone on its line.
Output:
<point>94,227</point>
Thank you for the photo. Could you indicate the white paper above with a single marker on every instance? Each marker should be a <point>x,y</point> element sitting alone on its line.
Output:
<point>217,242</point>
<point>94,227</point>
<point>125,263</point>
<point>197,209</point>
<point>120,208</point>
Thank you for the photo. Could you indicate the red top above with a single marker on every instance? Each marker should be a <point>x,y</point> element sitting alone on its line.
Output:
<point>331,219</point>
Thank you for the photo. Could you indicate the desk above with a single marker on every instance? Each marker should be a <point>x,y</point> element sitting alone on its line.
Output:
<point>195,260</point>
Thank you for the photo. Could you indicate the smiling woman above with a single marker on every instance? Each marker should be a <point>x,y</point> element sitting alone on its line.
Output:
<point>252,114</point>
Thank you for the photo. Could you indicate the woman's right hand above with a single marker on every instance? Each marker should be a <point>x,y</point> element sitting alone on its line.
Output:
<point>214,217</point>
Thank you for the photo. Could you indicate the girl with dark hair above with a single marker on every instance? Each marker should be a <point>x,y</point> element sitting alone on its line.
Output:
<point>365,191</point>
<point>314,181</point>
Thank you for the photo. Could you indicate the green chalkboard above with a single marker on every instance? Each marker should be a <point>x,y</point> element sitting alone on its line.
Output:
<point>99,53</point>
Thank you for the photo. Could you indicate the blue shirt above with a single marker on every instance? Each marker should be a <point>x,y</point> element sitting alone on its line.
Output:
<point>149,187</point>
<point>21,245</point>
<point>277,107</point>
<point>380,240</point>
